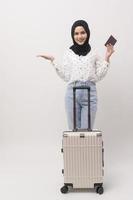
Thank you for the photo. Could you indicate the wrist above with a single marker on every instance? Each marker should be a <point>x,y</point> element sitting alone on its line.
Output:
<point>107,58</point>
<point>52,59</point>
<point>52,62</point>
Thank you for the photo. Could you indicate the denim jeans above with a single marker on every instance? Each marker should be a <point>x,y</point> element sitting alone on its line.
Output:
<point>81,104</point>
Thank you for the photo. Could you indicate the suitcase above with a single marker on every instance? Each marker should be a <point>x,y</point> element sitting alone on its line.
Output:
<point>83,155</point>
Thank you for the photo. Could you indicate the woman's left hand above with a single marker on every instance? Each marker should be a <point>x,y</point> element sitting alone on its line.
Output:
<point>110,50</point>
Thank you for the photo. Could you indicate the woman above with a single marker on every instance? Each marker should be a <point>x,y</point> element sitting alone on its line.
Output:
<point>81,67</point>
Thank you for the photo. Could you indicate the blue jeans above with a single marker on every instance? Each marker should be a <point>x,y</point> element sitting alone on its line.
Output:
<point>81,104</point>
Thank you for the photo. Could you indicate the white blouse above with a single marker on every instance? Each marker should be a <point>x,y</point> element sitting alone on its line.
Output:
<point>81,68</point>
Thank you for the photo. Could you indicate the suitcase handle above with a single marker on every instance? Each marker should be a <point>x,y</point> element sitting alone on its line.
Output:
<point>74,108</point>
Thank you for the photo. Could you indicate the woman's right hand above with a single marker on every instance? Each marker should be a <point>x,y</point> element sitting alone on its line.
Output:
<point>48,57</point>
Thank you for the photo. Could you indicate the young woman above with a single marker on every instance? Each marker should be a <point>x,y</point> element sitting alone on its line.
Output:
<point>81,67</point>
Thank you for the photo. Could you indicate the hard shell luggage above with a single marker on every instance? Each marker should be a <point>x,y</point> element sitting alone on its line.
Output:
<point>82,154</point>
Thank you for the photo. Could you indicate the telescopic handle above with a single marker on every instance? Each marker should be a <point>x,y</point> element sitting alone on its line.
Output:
<point>74,107</point>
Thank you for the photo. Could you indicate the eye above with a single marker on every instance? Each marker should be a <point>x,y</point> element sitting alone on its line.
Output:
<point>83,32</point>
<point>76,33</point>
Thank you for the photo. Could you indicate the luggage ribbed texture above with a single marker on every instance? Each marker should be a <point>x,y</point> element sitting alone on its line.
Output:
<point>83,166</point>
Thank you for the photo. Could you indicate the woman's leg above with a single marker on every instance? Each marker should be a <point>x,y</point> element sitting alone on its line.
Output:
<point>84,117</point>
<point>84,109</point>
<point>69,109</point>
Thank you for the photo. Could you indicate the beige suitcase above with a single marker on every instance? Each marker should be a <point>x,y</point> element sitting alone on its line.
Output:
<point>83,156</point>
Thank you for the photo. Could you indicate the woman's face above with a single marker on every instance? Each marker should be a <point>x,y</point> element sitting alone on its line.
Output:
<point>80,35</point>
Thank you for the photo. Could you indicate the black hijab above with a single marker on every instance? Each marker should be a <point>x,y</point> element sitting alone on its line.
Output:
<point>81,49</point>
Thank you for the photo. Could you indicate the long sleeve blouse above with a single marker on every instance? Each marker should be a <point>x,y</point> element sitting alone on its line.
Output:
<point>81,68</point>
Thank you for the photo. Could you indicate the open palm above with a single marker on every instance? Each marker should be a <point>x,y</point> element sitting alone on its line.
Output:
<point>48,57</point>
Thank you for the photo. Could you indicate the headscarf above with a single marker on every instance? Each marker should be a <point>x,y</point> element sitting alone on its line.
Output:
<point>85,48</point>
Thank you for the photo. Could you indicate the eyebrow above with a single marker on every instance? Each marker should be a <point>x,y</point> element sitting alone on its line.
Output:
<point>79,32</point>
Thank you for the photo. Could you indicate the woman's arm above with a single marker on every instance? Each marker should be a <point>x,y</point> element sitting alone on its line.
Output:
<point>62,70</point>
<point>101,65</point>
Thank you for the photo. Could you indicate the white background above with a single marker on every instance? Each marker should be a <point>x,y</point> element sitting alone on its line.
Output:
<point>32,114</point>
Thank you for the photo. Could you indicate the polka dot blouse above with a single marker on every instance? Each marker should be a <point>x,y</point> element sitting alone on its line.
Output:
<point>81,68</point>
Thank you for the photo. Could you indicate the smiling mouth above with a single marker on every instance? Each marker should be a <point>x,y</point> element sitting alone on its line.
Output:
<point>81,41</point>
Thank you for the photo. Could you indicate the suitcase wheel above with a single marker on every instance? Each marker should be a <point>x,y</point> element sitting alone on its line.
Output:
<point>64,189</point>
<point>100,190</point>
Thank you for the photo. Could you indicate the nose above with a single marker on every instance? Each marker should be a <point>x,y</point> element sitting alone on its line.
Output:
<point>80,37</point>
